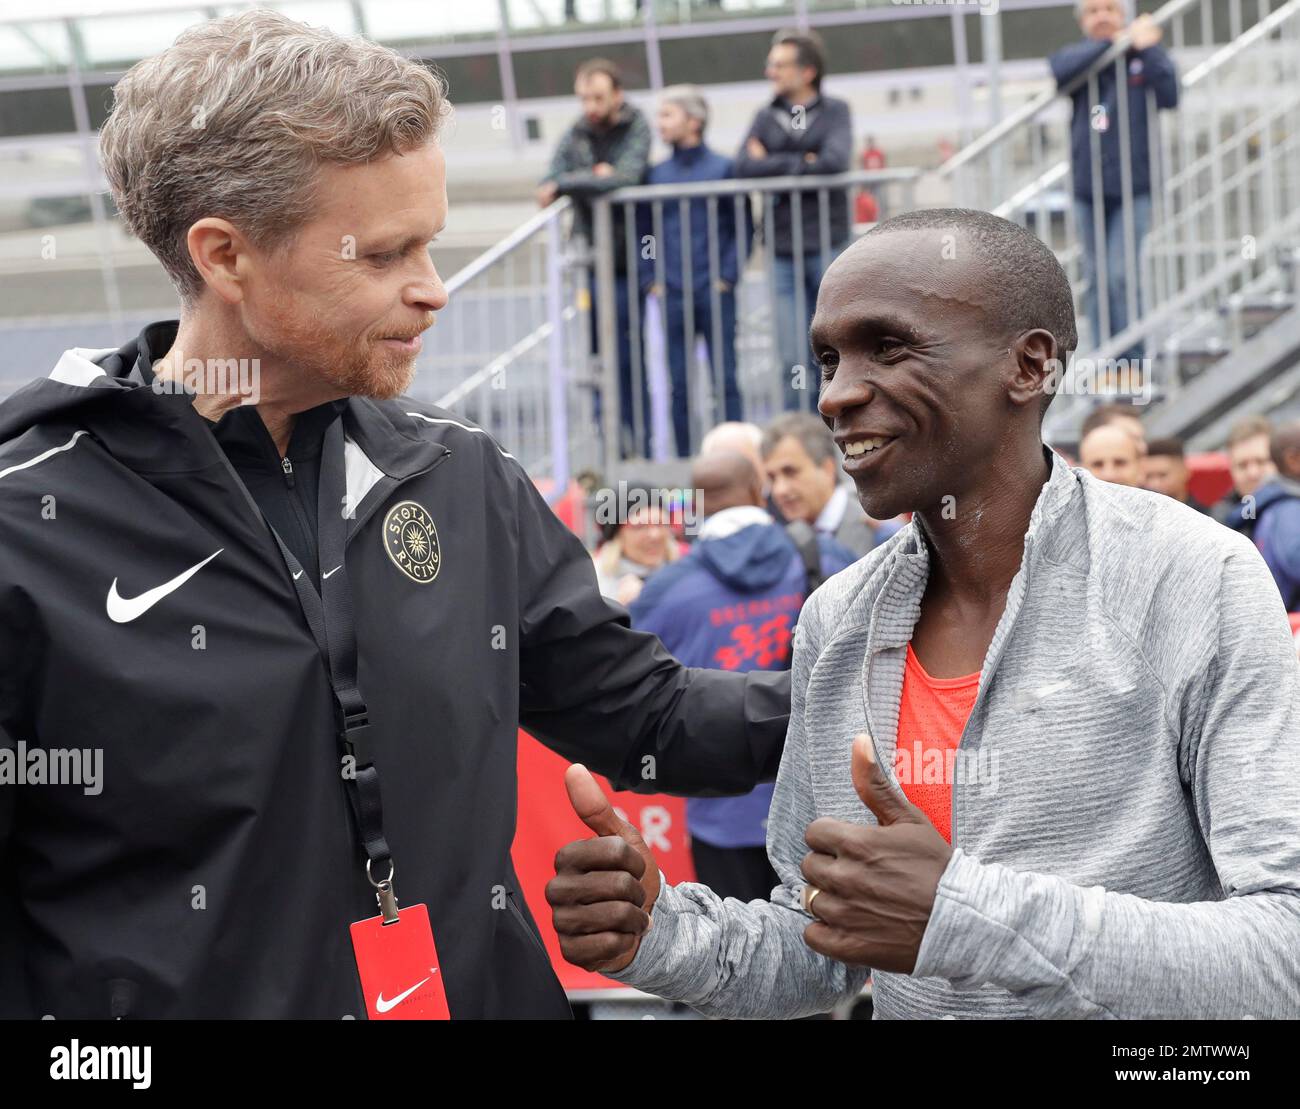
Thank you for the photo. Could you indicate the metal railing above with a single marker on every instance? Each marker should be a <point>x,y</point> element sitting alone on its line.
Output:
<point>1161,273</point>
<point>511,345</point>
<point>528,344</point>
<point>703,295</point>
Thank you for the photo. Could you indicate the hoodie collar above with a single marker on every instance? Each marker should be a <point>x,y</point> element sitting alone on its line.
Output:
<point>728,521</point>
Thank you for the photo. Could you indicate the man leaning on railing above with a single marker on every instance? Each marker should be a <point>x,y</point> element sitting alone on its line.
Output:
<point>607,147</point>
<point>1096,108</point>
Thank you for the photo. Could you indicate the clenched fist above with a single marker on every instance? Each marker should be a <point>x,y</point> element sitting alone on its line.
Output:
<point>604,887</point>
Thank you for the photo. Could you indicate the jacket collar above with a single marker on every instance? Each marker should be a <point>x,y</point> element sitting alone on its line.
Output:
<point>891,612</point>
<point>690,155</point>
<point>159,432</point>
<point>626,112</point>
<point>782,104</point>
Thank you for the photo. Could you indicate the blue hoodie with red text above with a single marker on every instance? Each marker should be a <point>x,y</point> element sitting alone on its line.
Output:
<point>732,604</point>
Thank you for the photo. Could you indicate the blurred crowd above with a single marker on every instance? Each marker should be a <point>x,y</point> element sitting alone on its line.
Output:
<point>772,519</point>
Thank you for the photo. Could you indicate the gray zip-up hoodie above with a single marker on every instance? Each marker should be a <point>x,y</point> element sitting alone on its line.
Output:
<point>1127,831</point>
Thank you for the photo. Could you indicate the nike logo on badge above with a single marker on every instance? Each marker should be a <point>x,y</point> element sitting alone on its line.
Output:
<point>382,1006</point>
<point>334,571</point>
<point>122,610</point>
<point>297,575</point>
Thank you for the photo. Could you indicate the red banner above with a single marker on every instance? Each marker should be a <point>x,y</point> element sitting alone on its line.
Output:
<point>547,822</point>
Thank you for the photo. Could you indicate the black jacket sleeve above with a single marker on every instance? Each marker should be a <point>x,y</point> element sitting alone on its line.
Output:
<point>599,693</point>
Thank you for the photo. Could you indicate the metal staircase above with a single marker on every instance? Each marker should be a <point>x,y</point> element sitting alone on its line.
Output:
<point>1218,322</point>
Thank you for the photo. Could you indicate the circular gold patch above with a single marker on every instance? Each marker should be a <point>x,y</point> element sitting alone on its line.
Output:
<point>411,541</point>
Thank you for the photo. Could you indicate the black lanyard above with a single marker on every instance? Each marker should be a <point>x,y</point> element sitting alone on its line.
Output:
<point>329,616</point>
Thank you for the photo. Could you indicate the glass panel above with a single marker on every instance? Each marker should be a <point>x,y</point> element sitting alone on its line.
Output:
<point>400,21</point>
<point>337,15</point>
<point>36,112</point>
<point>119,41</point>
<point>33,48</point>
<point>30,168</point>
<point>705,11</point>
<point>472,80</point>
<point>550,72</point>
<point>723,57</point>
<point>532,16</point>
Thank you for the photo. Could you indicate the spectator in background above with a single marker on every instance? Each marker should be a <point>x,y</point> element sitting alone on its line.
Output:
<point>632,550</point>
<point>683,115</point>
<point>1110,453</point>
<point>1164,470</point>
<point>1276,508</point>
<point>1250,464</point>
<point>865,207</point>
<point>800,133</point>
<point>741,438</point>
<point>608,147</point>
<point>1124,416</point>
<point>731,604</point>
<point>803,468</point>
<point>1148,67</point>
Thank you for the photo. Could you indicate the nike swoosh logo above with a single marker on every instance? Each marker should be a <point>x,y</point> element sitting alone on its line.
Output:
<point>334,571</point>
<point>382,1006</point>
<point>297,575</point>
<point>122,610</point>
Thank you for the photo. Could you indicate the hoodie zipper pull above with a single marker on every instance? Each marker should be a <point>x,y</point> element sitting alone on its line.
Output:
<point>287,467</point>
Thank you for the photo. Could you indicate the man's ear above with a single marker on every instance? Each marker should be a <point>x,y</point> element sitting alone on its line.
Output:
<point>1035,367</point>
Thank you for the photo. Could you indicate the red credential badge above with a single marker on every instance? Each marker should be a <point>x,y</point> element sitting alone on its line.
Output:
<point>399,967</point>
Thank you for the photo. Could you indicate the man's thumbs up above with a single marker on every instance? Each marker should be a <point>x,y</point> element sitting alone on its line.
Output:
<point>604,888</point>
<point>872,889</point>
<point>886,803</point>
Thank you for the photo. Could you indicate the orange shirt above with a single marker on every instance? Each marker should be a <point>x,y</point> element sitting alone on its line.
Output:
<point>931,715</point>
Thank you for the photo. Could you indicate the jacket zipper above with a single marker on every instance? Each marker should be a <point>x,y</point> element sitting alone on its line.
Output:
<point>300,514</point>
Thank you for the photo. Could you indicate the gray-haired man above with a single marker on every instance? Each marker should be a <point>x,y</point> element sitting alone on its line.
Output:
<point>698,284</point>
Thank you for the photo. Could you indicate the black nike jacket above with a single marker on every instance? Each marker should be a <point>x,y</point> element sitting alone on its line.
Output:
<point>147,612</point>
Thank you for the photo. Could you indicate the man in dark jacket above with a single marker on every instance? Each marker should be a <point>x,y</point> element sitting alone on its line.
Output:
<point>699,287</point>
<point>731,604</point>
<point>800,133</point>
<point>606,148</point>
<point>1275,509</point>
<point>1149,69</point>
<point>255,612</point>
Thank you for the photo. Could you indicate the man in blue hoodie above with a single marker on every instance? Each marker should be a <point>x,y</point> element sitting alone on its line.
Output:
<point>731,604</point>
<point>1275,508</point>
<point>1148,67</point>
<point>696,289</point>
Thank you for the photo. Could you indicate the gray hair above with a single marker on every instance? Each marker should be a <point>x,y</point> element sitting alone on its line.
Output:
<point>235,118</point>
<point>808,430</point>
<point>691,101</point>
